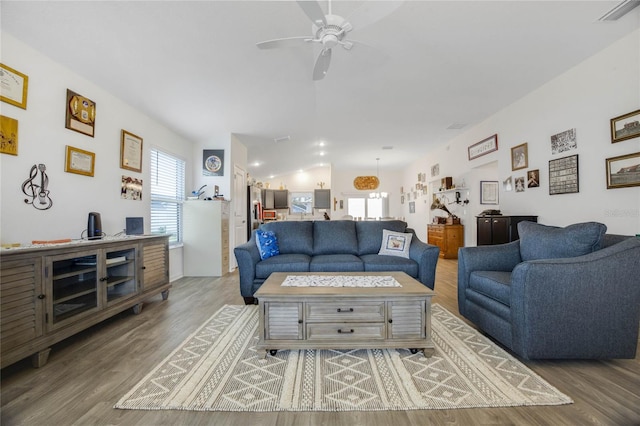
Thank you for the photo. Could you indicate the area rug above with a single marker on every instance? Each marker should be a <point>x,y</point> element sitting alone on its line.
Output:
<point>218,369</point>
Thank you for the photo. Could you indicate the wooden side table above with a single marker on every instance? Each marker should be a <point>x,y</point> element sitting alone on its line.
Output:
<point>448,237</point>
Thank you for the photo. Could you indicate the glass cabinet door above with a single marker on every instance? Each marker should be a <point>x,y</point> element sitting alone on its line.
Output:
<point>120,277</point>
<point>74,285</point>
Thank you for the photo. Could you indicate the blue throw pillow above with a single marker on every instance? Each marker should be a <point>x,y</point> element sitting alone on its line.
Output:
<point>549,242</point>
<point>267,244</point>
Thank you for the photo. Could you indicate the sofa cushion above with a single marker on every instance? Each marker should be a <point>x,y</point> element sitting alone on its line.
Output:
<point>395,243</point>
<point>267,243</point>
<point>336,263</point>
<point>493,284</point>
<point>370,234</point>
<point>381,263</point>
<point>293,237</point>
<point>550,242</point>
<point>282,263</point>
<point>335,237</point>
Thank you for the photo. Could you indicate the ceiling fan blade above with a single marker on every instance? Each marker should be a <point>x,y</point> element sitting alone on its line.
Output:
<point>322,64</point>
<point>282,42</point>
<point>371,12</point>
<point>313,10</point>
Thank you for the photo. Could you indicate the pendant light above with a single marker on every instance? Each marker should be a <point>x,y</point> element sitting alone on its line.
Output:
<point>378,194</point>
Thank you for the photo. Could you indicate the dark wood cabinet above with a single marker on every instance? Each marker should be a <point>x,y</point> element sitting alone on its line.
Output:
<point>499,229</point>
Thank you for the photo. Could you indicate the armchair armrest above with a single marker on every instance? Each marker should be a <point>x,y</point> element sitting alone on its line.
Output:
<point>247,256</point>
<point>582,307</point>
<point>500,257</point>
<point>426,256</point>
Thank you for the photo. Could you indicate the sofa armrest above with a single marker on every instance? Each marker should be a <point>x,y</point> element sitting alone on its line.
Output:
<point>247,256</point>
<point>500,257</point>
<point>582,307</point>
<point>426,256</point>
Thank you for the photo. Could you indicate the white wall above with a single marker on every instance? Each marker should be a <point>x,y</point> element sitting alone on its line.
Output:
<point>42,139</point>
<point>585,98</point>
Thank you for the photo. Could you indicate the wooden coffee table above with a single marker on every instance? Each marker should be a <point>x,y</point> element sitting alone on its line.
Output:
<point>345,317</point>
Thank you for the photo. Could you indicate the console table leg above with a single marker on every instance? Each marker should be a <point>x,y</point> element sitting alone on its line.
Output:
<point>165,294</point>
<point>39,359</point>
<point>137,308</point>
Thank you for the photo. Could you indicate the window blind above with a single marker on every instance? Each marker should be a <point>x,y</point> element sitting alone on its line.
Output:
<point>167,194</point>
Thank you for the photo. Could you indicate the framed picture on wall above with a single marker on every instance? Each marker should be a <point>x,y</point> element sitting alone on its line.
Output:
<point>81,114</point>
<point>14,86</point>
<point>213,162</point>
<point>625,127</point>
<point>9,135</point>
<point>483,147</point>
<point>489,192</point>
<point>131,152</point>
<point>563,175</point>
<point>623,171</point>
<point>79,161</point>
<point>519,157</point>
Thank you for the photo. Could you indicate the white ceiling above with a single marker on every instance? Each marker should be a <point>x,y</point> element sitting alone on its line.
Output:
<point>430,64</point>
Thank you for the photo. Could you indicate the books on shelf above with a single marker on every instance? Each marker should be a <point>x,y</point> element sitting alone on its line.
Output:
<point>112,260</point>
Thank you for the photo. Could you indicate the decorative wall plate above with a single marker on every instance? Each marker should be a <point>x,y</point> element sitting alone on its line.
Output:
<point>366,182</point>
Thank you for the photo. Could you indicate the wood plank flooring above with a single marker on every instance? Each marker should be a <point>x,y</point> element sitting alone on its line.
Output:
<point>88,373</point>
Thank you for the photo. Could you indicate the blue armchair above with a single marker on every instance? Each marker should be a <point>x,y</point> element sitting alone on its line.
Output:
<point>559,293</point>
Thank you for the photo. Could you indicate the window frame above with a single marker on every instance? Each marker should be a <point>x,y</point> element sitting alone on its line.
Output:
<point>165,193</point>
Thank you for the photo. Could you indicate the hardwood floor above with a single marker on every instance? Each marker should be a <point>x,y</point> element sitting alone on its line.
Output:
<point>86,374</point>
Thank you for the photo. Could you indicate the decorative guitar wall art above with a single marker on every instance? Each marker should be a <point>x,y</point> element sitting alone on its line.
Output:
<point>37,192</point>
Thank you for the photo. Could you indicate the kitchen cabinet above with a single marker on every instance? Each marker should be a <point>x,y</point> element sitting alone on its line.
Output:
<point>322,199</point>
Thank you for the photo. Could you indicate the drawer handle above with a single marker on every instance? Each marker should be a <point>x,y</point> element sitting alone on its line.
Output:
<point>345,310</point>
<point>345,332</point>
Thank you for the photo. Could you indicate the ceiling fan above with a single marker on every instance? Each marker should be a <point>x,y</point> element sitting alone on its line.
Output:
<point>331,30</point>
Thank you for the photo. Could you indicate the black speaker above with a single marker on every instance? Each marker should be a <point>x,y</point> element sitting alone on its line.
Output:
<point>135,226</point>
<point>94,226</point>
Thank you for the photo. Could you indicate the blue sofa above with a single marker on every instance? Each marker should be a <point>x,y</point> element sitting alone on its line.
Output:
<point>332,246</point>
<point>562,293</point>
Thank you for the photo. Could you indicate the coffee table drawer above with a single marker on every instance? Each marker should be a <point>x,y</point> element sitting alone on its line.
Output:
<point>345,311</point>
<point>342,331</point>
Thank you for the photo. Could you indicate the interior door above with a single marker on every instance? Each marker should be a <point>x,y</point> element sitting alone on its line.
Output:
<point>239,211</point>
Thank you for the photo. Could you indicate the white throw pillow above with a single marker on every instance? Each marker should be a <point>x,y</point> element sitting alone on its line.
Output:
<point>395,243</point>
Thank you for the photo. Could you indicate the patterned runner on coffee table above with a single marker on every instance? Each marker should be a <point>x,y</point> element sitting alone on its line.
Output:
<point>218,369</point>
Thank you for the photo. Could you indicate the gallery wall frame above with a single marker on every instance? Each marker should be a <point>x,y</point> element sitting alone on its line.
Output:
<point>623,171</point>
<point>9,135</point>
<point>15,86</point>
<point>79,161</point>
<point>130,152</point>
<point>519,157</point>
<point>213,162</point>
<point>563,175</point>
<point>489,190</point>
<point>626,126</point>
<point>80,114</point>
<point>533,178</point>
<point>484,147</point>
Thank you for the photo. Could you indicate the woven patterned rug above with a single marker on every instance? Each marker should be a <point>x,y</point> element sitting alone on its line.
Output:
<point>218,369</point>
